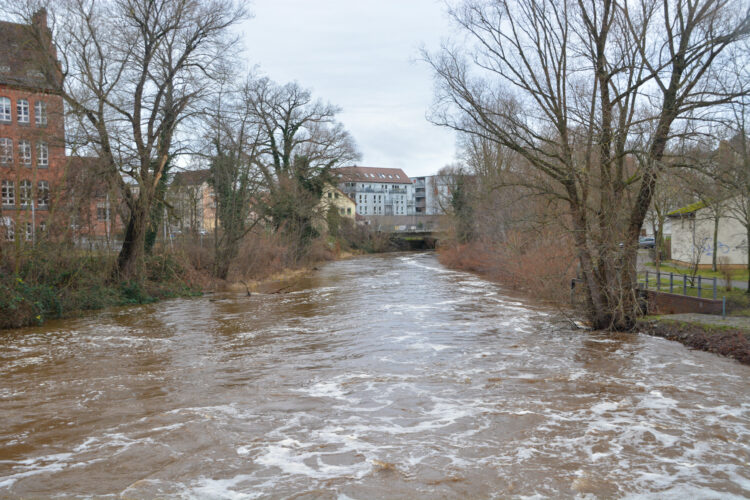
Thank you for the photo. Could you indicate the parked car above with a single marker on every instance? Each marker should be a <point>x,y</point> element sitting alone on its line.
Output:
<point>646,242</point>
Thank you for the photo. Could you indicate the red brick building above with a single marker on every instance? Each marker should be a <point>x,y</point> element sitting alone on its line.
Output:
<point>32,133</point>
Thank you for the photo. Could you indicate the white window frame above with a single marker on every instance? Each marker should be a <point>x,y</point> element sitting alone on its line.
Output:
<point>8,193</point>
<point>42,194</point>
<point>24,152</point>
<point>42,155</point>
<point>6,150</point>
<point>22,111</point>
<point>5,113</point>
<point>29,232</point>
<point>25,193</point>
<point>40,113</point>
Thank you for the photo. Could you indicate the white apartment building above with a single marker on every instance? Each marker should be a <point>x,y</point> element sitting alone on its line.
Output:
<point>378,191</point>
<point>431,194</point>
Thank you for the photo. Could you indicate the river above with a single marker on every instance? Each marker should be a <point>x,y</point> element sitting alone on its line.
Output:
<point>376,377</point>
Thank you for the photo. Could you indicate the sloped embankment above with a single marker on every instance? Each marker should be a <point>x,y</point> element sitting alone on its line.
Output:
<point>729,340</point>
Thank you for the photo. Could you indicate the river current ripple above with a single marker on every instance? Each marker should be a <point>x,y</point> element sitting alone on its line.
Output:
<point>377,377</point>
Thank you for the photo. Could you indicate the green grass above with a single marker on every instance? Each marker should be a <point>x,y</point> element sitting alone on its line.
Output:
<point>737,274</point>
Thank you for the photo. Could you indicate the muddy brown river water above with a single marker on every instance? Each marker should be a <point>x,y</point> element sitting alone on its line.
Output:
<point>377,377</point>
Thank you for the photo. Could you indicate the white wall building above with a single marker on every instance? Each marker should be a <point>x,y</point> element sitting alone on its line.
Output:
<point>693,237</point>
<point>378,191</point>
<point>431,193</point>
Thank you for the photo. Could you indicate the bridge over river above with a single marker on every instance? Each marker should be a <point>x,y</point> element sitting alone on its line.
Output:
<point>377,377</point>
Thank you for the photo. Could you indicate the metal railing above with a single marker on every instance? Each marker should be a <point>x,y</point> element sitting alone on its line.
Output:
<point>685,280</point>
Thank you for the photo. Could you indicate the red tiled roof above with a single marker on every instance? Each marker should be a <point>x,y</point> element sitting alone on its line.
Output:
<point>372,174</point>
<point>20,61</point>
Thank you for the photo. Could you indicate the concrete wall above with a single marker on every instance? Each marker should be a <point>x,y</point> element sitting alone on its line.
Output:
<point>693,235</point>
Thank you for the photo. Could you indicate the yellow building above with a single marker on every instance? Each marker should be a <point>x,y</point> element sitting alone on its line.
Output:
<point>334,197</point>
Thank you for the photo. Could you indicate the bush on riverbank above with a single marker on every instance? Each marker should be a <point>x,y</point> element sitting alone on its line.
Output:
<point>540,265</point>
<point>53,280</point>
<point>59,279</point>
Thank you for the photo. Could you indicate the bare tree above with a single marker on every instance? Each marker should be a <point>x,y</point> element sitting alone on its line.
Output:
<point>734,152</point>
<point>668,194</point>
<point>233,138</point>
<point>300,143</point>
<point>588,93</point>
<point>131,70</point>
<point>460,200</point>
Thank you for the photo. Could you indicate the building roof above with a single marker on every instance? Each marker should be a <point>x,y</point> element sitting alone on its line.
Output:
<point>372,174</point>
<point>687,210</point>
<point>191,177</point>
<point>21,64</point>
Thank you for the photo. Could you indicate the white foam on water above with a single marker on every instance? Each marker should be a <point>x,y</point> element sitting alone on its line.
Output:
<point>38,465</point>
<point>224,489</point>
<point>291,457</point>
<point>326,389</point>
<point>606,406</point>
<point>424,346</point>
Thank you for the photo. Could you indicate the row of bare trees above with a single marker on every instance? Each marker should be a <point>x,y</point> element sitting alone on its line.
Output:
<point>591,97</point>
<point>146,82</point>
<point>271,149</point>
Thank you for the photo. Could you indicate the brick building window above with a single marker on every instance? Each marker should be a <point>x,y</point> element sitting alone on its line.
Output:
<point>24,152</point>
<point>29,231</point>
<point>22,111</point>
<point>101,212</point>
<point>25,193</point>
<point>10,228</point>
<point>40,113</point>
<point>6,150</point>
<point>42,226</point>
<point>8,193</point>
<point>42,155</point>
<point>42,193</point>
<point>4,109</point>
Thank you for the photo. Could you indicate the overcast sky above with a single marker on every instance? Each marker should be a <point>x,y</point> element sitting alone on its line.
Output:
<point>362,56</point>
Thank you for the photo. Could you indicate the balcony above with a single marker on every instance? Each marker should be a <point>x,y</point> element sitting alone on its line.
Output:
<point>393,190</point>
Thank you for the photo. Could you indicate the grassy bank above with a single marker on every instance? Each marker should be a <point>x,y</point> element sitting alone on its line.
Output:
<point>668,267</point>
<point>729,340</point>
<point>56,282</point>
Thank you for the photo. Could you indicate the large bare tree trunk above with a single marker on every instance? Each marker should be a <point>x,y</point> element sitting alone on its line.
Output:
<point>130,258</point>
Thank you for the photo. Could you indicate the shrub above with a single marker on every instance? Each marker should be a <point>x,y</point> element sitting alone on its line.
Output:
<point>541,265</point>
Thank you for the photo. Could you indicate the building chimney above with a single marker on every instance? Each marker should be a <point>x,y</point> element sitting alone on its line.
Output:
<point>40,19</point>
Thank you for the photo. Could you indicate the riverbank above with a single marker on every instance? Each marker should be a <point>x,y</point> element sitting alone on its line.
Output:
<point>541,270</point>
<point>70,284</point>
<point>730,337</point>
